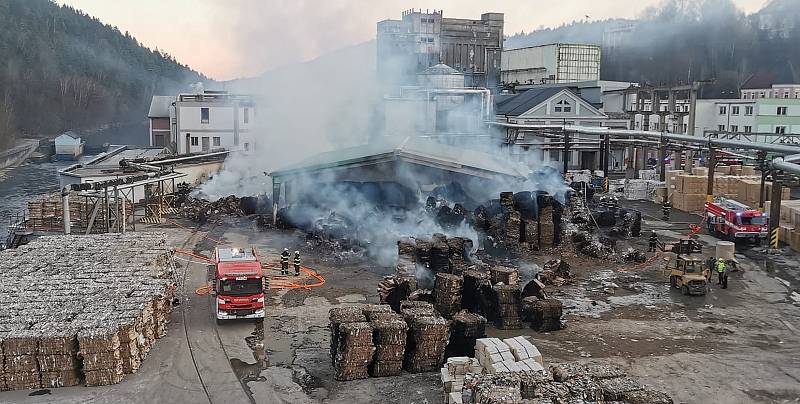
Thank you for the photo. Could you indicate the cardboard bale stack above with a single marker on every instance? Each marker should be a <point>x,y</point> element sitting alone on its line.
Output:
<point>467,328</point>
<point>406,263</point>
<point>428,334</point>
<point>476,292</point>
<point>440,254</point>
<point>506,275</point>
<point>447,294</point>
<point>546,228</point>
<point>70,289</point>
<point>393,289</point>
<point>47,213</point>
<point>389,337</point>
<point>102,360</point>
<point>459,247</point>
<point>543,314</point>
<point>507,302</point>
<point>57,355</point>
<point>339,316</point>
<point>354,351</point>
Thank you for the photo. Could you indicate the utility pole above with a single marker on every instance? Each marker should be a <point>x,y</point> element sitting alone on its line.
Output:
<point>565,154</point>
<point>607,158</point>
<point>662,156</point>
<point>762,166</point>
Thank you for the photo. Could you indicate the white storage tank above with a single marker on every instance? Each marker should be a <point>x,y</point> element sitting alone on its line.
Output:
<point>440,76</point>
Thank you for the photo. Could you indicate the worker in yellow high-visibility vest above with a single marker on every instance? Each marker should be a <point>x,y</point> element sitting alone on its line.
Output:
<point>721,272</point>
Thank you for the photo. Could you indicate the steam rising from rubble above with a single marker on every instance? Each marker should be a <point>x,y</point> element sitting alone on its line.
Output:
<point>334,102</point>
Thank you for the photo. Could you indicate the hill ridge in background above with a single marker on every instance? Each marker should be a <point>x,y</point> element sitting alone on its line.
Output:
<point>62,69</point>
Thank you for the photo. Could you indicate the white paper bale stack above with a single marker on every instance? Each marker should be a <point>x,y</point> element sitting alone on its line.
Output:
<point>452,376</point>
<point>489,351</point>
<point>648,175</point>
<point>522,349</point>
<point>635,190</point>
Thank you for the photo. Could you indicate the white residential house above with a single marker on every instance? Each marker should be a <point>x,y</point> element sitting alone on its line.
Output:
<point>205,122</point>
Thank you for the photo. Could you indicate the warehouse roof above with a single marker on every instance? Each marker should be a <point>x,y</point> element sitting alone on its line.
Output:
<point>415,150</point>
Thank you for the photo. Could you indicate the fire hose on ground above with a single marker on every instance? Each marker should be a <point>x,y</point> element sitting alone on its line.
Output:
<point>283,282</point>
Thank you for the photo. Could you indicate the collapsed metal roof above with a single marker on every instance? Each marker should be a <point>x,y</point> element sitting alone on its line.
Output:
<point>413,150</point>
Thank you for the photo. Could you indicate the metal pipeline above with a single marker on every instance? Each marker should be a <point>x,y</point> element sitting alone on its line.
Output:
<point>779,163</point>
<point>65,209</point>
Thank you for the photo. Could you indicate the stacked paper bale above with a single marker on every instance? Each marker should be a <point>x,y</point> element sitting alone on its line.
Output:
<point>524,351</point>
<point>447,294</point>
<point>546,227</point>
<point>406,264</point>
<point>102,360</point>
<point>492,351</point>
<point>66,286</point>
<point>506,275</point>
<point>459,248</point>
<point>393,289</point>
<point>636,190</point>
<point>543,314</point>
<point>422,252</point>
<point>21,368</point>
<point>354,351</point>
<point>466,329</point>
<point>428,334</point>
<point>57,355</point>
<point>389,337</point>
<point>507,302</point>
<point>476,292</point>
<point>339,316</point>
<point>440,254</point>
<point>453,374</point>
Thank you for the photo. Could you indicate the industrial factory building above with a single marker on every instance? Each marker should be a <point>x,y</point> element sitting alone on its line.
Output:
<point>422,39</point>
<point>553,63</point>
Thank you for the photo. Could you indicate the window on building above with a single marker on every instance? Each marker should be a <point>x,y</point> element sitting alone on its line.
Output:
<point>748,110</point>
<point>785,94</point>
<point>203,115</point>
<point>734,110</point>
<point>761,94</point>
<point>195,141</point>
<point>780,130</point>
<point>734,128</point>
<point>685,126</point>
<point>563,106</point>
<point>246,115</point>
<point>721,128</point>
<point>781,110</point>
<point>217,141</point>
<point>748,129</point>
<point>246,146</point>
<point>723,110</point>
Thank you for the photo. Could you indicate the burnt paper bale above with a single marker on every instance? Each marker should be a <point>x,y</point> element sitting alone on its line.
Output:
<point>466,329</point>
<point>507,302</point>
<point>389,337</point>
<point>543,314</point>
<point>339,316</point>
<point>459,250</point>
<point>440,256</point>
<point>447,294</point>
<point>506,275</point>
<point>395,288</point>
<point>476,292</point>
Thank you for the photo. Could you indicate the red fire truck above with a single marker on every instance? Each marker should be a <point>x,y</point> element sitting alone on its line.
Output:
<point>238,283</point>
<point>732,220</point>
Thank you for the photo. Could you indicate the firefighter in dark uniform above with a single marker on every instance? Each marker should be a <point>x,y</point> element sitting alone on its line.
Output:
<point>285,262</point>
<point>666,209</point>
<point>297,263</point>
<point>653,241</point>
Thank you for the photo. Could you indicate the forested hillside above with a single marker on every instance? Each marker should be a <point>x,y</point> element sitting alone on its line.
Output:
<point>61,69</point>
<point>693,40</point>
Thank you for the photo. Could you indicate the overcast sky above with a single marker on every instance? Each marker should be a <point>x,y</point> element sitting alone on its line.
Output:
<point>240,38</point>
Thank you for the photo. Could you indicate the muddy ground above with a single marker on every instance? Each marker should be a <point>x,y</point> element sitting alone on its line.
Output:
<point>738,345</point>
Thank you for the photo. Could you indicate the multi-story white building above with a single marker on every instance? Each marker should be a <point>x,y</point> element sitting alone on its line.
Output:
<point>762,116</point>
<point>204,122</point>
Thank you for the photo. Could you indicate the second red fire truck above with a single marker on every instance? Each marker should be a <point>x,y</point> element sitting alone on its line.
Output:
<point>732,220</point>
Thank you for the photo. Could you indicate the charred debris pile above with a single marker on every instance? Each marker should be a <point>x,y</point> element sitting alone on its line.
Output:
<point>203,211</point>
<point>82,309</point>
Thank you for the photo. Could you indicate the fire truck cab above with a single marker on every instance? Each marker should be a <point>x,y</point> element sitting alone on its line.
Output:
<point>732,220</point>
<point>238,283</point>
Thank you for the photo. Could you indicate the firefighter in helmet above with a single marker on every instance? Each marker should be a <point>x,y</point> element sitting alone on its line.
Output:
<point>285,262</point>
<point>666,209</point>
<point>653,241</point>
<point>297,263</point>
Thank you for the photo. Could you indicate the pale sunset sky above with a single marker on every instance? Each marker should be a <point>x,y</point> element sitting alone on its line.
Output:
<point>240,38</point>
